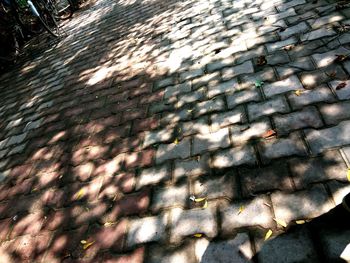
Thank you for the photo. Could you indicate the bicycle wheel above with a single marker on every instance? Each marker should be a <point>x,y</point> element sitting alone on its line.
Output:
<point>62,9</point>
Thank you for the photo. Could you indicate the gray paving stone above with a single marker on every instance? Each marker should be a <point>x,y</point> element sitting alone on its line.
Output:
<point>177,89</point>
<point>287,5</point>
<point>266,108</point>
<point>228,86</point>
<point>265,179</point>
<point>210,141</point>
<point>241,97</point>
<point>200,125</point>
<point>306,118</point>
<point>324,20</point>
<point>215,104</point>
<point>16,139</point>
<point>153,175</point>
<point>189,222</point>
<point>173,151</point>
<point>191,74</point>
<point>255,213</point>
<point>336,112</point>
<point>271,47</point>
<point>335,245</point>
<point>164,82</point>
<point>202,81</point>
<point>327,58</point>
<point>283,86</point>
<point>234,157</point>
<point>290,247</point>
<point>256,52</point>
<point>161,107</point>
<point>216,187</point>
<point>168,254</point>
<point>244,68</point>
<point>293,30</point>
<point>220,120</point>
<point>321,140</point>
<point>301,17</point>
<point>273,18</point>
<point>346,151</point>
<point>241,134</point>
<point>192,167</point>
<point>283,147</point>
<point>222,63</point>
<point>152,137</point>
<point>249,80</point>
<point>238,250</point>
<point>318,33</point>
<point>193,96</point>
<point>176,116</point>
<point>319,94</point>
<point>313,170</point>
<point>300,64</point>
<point>306,204</point>
<point>265,29</point>
<point>279,57</point>
<point>344,93</point>
<point>253,42</point>
<point>147,229</point>
<point>339,190</point>
<point>170,197</point>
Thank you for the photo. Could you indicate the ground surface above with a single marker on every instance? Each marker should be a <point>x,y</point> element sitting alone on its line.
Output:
<point>107,134</point>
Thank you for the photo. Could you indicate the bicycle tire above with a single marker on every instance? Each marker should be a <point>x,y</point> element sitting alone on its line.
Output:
<point>46,18</point>
<point>62,9</point>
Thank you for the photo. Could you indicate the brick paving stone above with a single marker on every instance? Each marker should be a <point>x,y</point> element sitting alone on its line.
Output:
<point>289,4</point>
<point>216,187</point>
<point>324,20</point>
<point>189,222</point>
<point>320,94</point>
<point>293,30</point>
<point>279,57</point>
<point>258,180</point>
<point>17,139</point>
<point>152,137</point>
<point>299,64</point>
<point>237,249</point>
<point>200,125</point>
<point>318,33</point>
<point>217,65</point>
<point>167,254</point>
<point>164,82</point>
<point>344,93</point>
<point>339,190</point>
<point>147,229</point>
<point>220,120</point>
<point>228,86</point>
<point>266,108</point>
<point>248,81</point>
<point>306,118</point>
<point>191,167</point>
<point>271,47</point>
<point>241,97</point>
<point>335,245</point>
<point>327,58</point>
<point>172,151</point>
<point>346,151</point>
<point>191,74</point>
<point>327,167</point>
<point>258,51</point>
<point>210,141</point>
<point>153,175</point>
<point>177,89</point>
<point>244,68</point>
<point>336,112</point>
<point>234,157</point>
<point>296,246</point>
<point>306,204</point>
<point>169,197</point>
<point>136,256</point>
<point>176,116</point>
<point>319,140</point>
<point>195,96</point>
<point>215,104</point>
<point>139,159</point>
<point>290,84</point>
<point>255,213</point>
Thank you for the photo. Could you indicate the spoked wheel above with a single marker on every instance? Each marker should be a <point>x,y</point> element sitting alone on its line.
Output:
<point>62,9</point>
<point>47,18</point>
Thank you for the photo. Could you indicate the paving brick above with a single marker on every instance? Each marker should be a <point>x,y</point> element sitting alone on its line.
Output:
<point>293,30</point>
<point>234,157</point>
<point>216,187</point>
<point>191,74</point>
<point>242,97</point>
<point>152,137</point>
<point>223,119</point>
<point>305,204</point>
<point>306,118</point>
<point>162,106</point>
<point>327,58</point>
<point>200,125</point>
<point>344,93</point>
<point>244,68</point>
<point>191,167</point>
<point>189,222</point>
<point>170,197</point>
<point>335,245</point>
<point>289,4</point>
<point>215,104</point>
<point>283,147</point>
<point>177,89</point>
<point>17,139</point>
<point>217,65</point>
<point>173,151</point>
<point>318,33</point>
<point>176,116</point>
<point>339,190</point>
<point>336,112</point>
<point>164,82</point>
<point>166,254</point>
<point>194,96</point>
<point>210,141</point>
<point>319,140</point>
<point>266,108</point>
<point>153,176</point>
<point>258,51</point>
<point>265,179</point>
<point>139,159</point>
<point>290,84</point>
<point>300,64</point>
<point>319,94</point>
<point>147,229</point>
<point>279,57</point>
<point>136,256</point>
<point>228,86</point>
<point>255,213</point>
<point>324,20</point>
<point>271,47</point>
<point>327,167</point>
<point>249,80</point>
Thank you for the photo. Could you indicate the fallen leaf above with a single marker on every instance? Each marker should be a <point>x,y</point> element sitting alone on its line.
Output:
<point>87,245</point>
<point>348,175</point>
<point>83,241</point>
<point>259,83</point>
<point>341,86</point>
<point>79,194</point>
<point>298,92</point>
<point>261,61</point>
<point>340,58</point>
<point>289,47</point>
<point>192,198</point>
<point>241,208</point>
<point>108,224</point>
<point>198,235</point>
<point>268,134</point>
<point>205,205</point>
<point>190,110</point>
<point>176,141</point>
<point>268,234</point>
<point>282,29</point>
<point>332,74</point>
<point>300,222</point>
<point>280,222</point>
<point>198,200</point>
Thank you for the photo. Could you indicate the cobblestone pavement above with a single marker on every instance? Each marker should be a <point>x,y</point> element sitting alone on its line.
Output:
<point>107,135</point>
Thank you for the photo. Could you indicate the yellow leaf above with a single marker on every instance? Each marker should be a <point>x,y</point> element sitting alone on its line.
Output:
<point>268,234</point>
<point>83,241</point>
<point>298,92</point>
<point>300,222</point>
<point>198,200</point>
<point>241,208</point>
<point>348,175</point>
<point>108,224</point>
<point>205,204</point>
<point>80,194</point>
<point>280,222</point>
<point>176,141</point>
<point>189,111</point>
<point>197,235</point>
<point>87,245</point>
